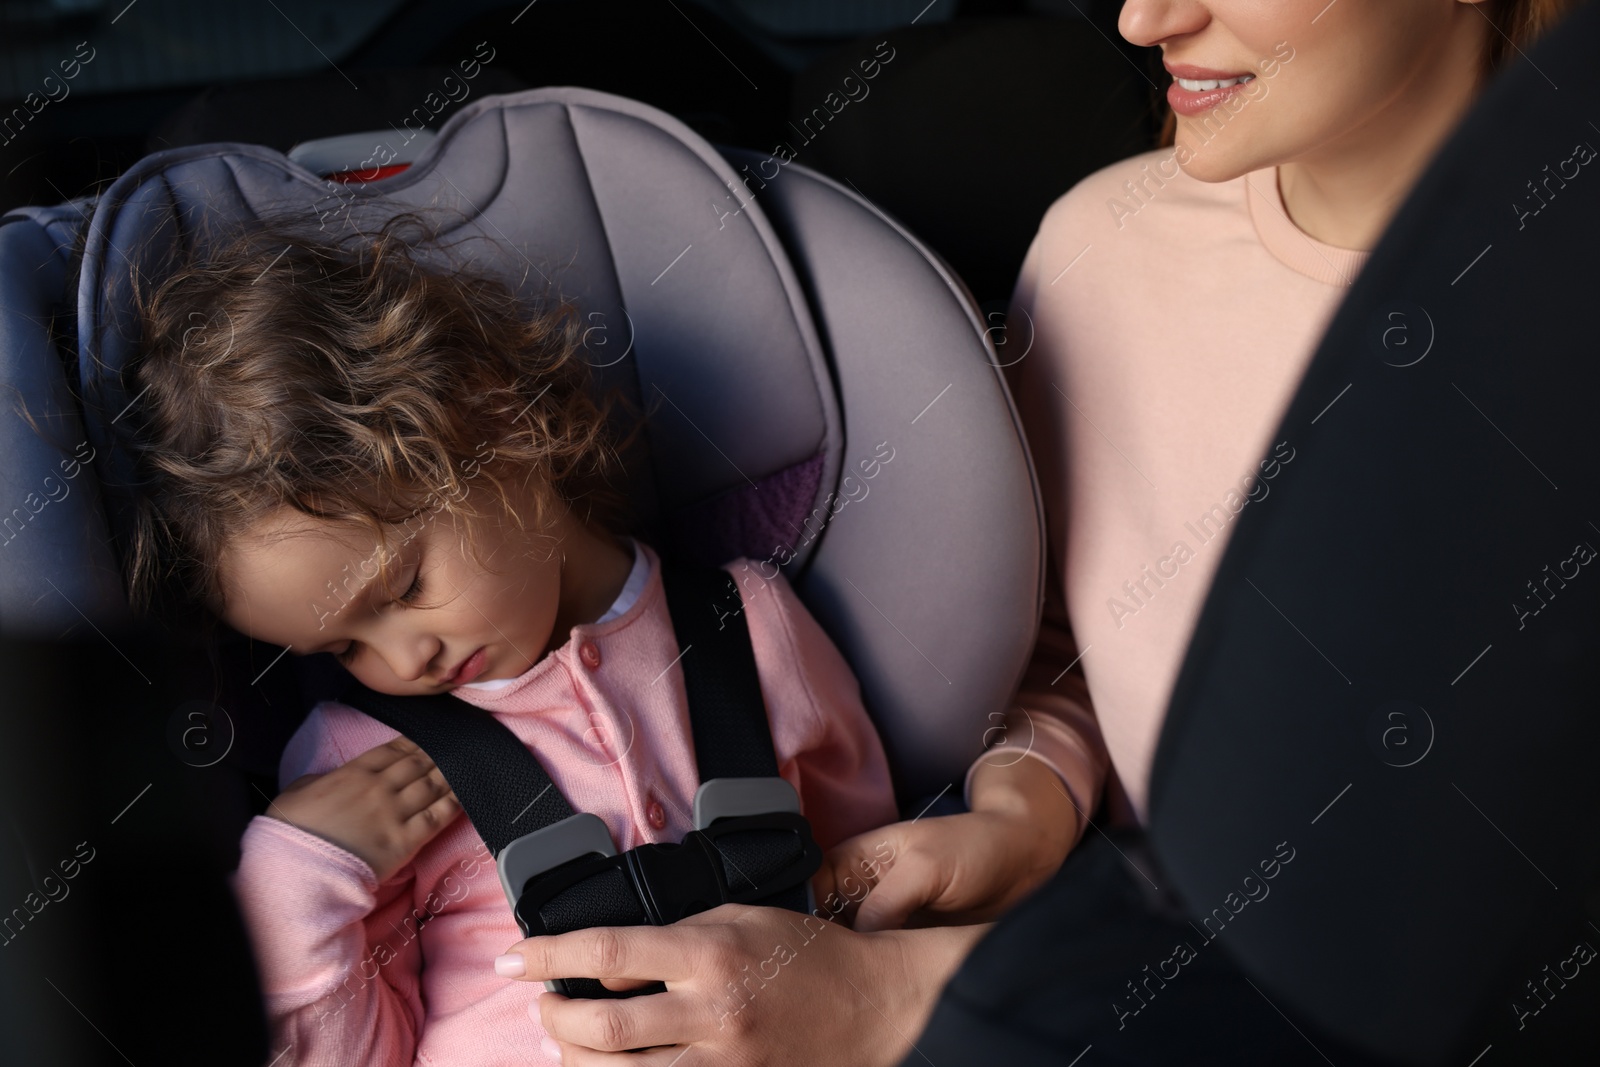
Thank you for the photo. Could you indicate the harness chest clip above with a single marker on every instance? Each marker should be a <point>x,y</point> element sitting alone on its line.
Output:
<point>751,845</point>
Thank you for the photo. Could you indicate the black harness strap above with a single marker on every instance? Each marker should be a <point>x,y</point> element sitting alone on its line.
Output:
<point>732,738</point>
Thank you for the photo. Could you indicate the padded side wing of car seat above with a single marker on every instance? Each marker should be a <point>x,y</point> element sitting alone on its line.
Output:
<point>55,572</point>
<point>930,576</point>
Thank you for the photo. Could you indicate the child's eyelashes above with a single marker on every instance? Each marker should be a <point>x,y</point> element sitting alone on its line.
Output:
<point>414,593</point>
<point>409,598</point>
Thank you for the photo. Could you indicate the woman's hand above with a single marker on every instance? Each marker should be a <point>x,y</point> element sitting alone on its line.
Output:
<point>745,986</point>
<point>957,868</point>
<point>384,805</point>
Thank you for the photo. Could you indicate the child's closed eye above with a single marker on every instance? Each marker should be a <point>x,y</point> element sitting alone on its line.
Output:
<point>414,592</point>
<point>408,597</point>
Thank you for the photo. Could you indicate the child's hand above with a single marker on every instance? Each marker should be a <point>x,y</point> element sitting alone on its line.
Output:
<point>384,805</point>
<point>956,869</point>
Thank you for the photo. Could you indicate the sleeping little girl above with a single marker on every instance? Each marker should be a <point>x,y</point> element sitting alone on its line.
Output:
<point>347,451</point>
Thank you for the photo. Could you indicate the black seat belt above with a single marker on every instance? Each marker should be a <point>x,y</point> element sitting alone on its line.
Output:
<point>560,869</point>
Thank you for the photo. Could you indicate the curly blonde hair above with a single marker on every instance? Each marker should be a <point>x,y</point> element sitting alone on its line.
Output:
<point>354,382</point>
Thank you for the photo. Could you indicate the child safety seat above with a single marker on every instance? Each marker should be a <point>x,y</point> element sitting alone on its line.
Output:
<point>822,395</point>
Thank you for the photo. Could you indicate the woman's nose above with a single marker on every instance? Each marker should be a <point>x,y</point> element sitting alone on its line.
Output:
<point>1147,23</point>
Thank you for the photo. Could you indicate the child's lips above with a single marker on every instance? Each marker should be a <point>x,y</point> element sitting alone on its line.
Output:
<point>469,668</point>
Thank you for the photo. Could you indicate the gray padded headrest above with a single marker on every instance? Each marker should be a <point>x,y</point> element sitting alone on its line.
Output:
<point>616,210</point>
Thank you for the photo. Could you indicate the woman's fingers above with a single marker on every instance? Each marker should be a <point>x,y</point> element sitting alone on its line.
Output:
<point>914,882</point>
<point>893,872</point>
<point>852,869</point>
<point>651,953</point>
<point>618,1025</point>
<point>665,1056</point>
<point>593,1031</point>
<point>805,1017</point>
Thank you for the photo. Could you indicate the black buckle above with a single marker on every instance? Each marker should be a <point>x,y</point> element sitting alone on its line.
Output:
<point>659,883</point>
<point>674,881</point>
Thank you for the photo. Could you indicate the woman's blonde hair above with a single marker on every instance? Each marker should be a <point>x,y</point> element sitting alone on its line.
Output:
<point>1517,24</point>
<point>352,382</point>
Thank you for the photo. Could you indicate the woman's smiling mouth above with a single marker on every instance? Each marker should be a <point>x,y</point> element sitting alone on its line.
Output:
<point>1198,89</point>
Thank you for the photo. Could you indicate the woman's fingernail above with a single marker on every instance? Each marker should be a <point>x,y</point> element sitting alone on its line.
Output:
<point>511,965</point>
<point>550,1048</point>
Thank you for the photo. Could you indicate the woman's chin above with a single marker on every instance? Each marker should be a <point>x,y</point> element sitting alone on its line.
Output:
<point>1212,162</point>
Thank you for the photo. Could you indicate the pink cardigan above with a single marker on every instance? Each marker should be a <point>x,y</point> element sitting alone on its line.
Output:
<point>1166,323</point>
<point>341,956</point>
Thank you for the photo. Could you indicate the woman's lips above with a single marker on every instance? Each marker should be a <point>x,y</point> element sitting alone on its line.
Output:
<point>1195,90</point>
<point>470,668</point>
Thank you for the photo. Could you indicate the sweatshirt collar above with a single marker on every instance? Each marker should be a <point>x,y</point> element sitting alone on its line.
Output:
<point>1291,245</point>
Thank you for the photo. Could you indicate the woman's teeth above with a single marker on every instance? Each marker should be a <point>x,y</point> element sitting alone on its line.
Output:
<point>1206,86</point>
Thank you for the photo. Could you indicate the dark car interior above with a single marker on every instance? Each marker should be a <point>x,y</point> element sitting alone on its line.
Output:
<point>1028,95</point>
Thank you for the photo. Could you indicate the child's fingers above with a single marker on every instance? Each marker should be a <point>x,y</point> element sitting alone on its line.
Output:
<point>394,751</point>
<point>403,773</point>
<point>421,793</point>
<point>396,763</point>
<point>436,816</point>
<point>423,825</point>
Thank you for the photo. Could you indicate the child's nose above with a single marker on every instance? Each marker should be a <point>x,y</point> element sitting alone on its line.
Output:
<point>410,657</point>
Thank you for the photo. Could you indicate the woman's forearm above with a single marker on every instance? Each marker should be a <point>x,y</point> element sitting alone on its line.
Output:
<point>1030,790</point>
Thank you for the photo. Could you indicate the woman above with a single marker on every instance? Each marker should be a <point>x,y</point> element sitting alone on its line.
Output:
<point>1169,305</point>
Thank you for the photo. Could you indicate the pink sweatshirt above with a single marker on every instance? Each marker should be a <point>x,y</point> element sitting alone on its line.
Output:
<point>342,957</point>
<point>1166,324</point>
